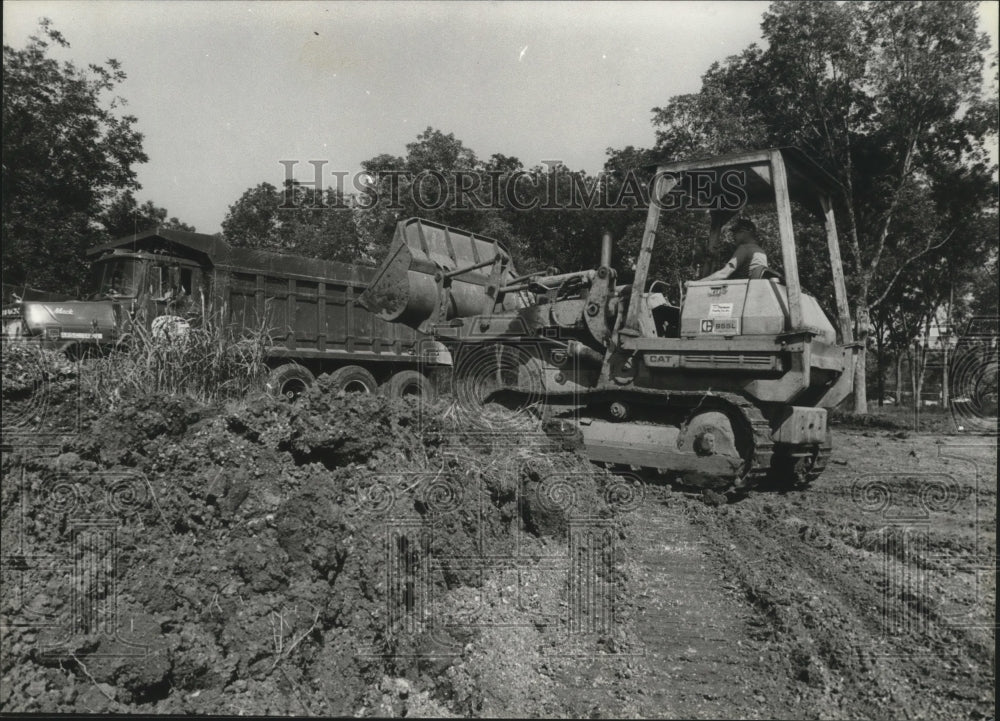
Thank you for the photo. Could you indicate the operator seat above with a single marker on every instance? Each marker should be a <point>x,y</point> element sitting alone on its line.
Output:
<point>666,316</point>
<point>667,319</point>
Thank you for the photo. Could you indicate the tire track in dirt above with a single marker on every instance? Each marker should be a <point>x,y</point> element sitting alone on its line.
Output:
<point>857,600</point>
<point>815,604</point>
<point>695,655</point>
<point>700,661</point>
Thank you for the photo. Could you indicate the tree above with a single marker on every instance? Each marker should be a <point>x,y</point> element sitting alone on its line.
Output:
<point>986,288</point>
<point>124,216</point>
<point>569,212</point>
<point>67,152</point>
<point>294,220</point>
<point>423,183</point>
<point>940,291</point>
<point>886,95</point>
<point>252,221</point>
<point>546,216</point>
<point>718,119</point>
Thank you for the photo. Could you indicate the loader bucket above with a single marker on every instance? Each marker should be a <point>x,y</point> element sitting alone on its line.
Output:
<point>406,287</point>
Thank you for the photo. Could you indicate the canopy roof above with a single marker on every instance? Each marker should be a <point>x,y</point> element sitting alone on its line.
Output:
<point>807,181</point>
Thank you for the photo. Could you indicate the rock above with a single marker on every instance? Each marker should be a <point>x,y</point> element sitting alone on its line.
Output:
<point>67,461</point>
<point>712,498</point>
<point>36,687</point>
<point>137,659</point>
<point>402,687</point>
<point>566,435</point>
<point>6,691</point>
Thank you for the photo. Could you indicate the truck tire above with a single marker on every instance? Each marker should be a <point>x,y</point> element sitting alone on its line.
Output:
<point>409,383</point>
<point>289,381</point>
<point>353,379</point>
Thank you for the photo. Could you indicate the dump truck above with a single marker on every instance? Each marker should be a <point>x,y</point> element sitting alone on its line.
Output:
<point>167,279</point>
<point>724,390</point>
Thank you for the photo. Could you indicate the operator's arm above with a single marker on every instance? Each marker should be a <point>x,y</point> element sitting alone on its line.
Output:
<point>727,270</point>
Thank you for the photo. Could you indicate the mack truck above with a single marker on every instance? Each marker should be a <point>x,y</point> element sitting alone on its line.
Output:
<point>167,279</point>
<point>727,388</point>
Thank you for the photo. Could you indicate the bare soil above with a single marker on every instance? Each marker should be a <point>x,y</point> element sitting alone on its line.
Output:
<point>355,556</point>
<point>870,595</point>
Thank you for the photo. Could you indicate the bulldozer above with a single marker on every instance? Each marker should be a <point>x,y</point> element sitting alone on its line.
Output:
<point>724,390</point>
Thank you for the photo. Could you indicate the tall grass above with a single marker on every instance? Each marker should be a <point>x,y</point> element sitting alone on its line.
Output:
<point>209,360</point>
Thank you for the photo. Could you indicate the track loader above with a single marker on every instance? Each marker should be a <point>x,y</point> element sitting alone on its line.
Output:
<point>727,388</point>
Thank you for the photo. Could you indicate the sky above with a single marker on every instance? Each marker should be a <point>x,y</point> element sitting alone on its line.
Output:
<point>223,91</point>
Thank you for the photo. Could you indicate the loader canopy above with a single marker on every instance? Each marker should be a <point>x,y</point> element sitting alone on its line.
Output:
<point>750,177</point>
<point>723,185</point>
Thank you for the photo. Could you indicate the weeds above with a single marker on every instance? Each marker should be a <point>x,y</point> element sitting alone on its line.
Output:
<point>207,359</point>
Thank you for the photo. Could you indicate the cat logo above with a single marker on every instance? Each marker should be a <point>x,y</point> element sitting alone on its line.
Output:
<point>707,325</point>
<point>661,360</point>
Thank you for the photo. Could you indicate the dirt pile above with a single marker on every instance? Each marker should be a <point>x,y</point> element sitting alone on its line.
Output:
<point>41,390</point>
<point>342,555</point>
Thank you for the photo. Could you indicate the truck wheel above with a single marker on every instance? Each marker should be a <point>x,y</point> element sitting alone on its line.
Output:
<point>289,381</point>
<point>353,379</point>
<point>409,383</point>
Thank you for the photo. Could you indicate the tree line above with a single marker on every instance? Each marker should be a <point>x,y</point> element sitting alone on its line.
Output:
<point>889,97</point>
<point>69,158</point>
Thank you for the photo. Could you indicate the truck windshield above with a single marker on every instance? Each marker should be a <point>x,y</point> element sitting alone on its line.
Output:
<point>116,276</point>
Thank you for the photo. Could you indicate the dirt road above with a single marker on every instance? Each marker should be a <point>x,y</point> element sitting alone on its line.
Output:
<point>870,595</point>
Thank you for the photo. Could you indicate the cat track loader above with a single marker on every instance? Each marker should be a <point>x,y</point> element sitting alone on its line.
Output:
<point>727,388</point>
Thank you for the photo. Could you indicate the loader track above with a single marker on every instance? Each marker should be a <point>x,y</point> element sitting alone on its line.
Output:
<point>752,420</point>
<point>762,467</point>
<point>764,464</point>
<point>763,446</point>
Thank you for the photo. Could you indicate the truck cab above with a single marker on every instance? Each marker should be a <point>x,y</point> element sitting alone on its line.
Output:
<point>123,285</point>
<point>160,283</point>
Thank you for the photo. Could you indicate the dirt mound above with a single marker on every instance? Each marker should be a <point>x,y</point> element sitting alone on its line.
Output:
<point>40,390</point>
<point>341,555</point>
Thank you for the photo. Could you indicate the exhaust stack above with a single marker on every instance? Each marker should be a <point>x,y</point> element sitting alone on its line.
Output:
<point>606,250</point>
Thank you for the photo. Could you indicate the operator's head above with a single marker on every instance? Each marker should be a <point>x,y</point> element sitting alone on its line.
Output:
<point>744,231</point>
